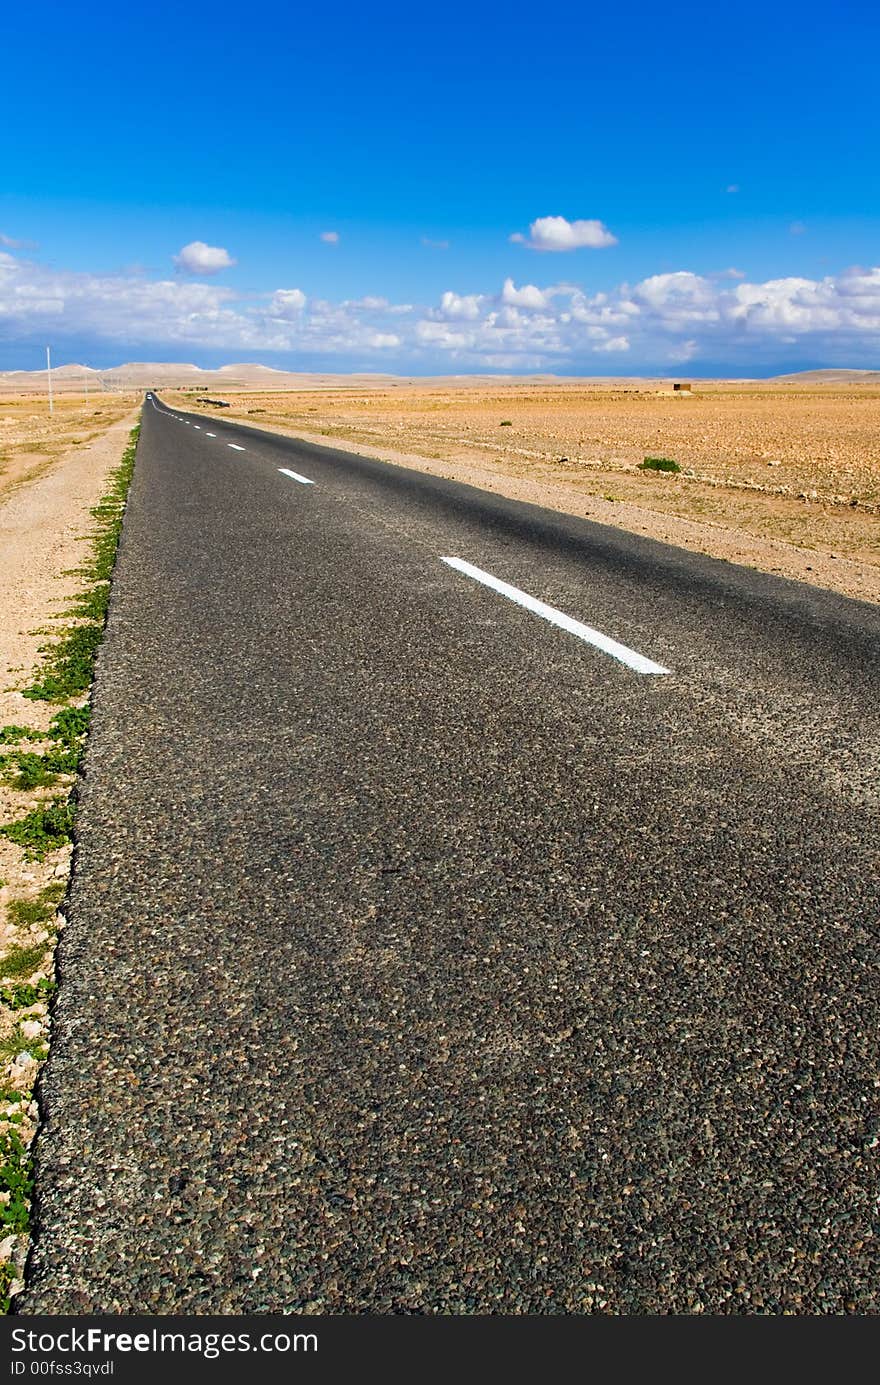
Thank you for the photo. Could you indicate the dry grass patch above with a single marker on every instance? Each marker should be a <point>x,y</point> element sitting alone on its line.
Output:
<point>32,439</point>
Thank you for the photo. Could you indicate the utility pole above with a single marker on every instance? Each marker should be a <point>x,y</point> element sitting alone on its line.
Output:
<point>49,374</point>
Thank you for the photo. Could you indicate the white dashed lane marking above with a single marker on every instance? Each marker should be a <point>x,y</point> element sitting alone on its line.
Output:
<point>295,476</point>
<point>635,661</point>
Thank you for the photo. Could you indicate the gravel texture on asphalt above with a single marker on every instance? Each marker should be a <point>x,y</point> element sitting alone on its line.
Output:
<point>423,959</point>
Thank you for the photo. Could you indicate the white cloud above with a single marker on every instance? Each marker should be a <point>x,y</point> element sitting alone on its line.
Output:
<point>439,334</point>
<point>526,297</point>
<point>435,244</point>
<point>464,306</point>
<point>199,258</point>
<point>373,303</point>
<point>732,187</point>
<point>555,233</point>
<point>117,307</point>
<point>287,302</point>
<point>679,297</point>
<point>330,237</point>
<point>794,305</point>
<point>666,317</point>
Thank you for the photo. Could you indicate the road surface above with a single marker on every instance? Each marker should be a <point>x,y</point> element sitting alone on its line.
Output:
<point>427,953</point>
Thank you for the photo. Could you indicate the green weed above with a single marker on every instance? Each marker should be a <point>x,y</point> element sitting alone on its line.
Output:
<point>659,464</point>
<point>45,829</point>
<point>53,893</point>
<point>24,995</point>
<point>16,1178</point>
<point>29,770</point>
<point>69,725</point>
<point>22,961</point>
<point>24,913</point>
<point>89,605</point>
<point>12,735</point>
<point>68,667</point>
<point>12,1044</point>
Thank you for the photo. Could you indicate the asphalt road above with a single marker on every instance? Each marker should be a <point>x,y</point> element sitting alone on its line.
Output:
<point>425,957</point>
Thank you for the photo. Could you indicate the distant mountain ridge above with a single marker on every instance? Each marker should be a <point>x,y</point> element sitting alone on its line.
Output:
<point>136,375</point>
<point>143,374</point>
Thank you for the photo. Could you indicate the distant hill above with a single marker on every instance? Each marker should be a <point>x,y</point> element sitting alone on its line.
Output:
<point>828,377</point>
<point>140,375</point>
<point>68,372</point>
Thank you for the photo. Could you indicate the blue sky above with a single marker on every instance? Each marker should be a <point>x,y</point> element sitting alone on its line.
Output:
<point>727,163</point>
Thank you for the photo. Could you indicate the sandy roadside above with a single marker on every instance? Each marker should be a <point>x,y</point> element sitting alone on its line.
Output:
<point>42,523</point>
<point>860,580</point>
<point>41,526</point>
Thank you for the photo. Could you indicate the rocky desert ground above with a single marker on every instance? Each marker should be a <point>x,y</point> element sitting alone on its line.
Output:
<point>782,476</point>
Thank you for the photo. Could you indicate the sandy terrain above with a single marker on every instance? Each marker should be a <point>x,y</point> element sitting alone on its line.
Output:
<point>31,438</point>
<point>45,496</point>
<point>782,476</point>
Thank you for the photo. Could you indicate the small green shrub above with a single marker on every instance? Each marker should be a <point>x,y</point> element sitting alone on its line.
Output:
<point>23,996</point>
<point>15,1179</point>
<point>68,669</point>
<point>53,893</point>
<point>45,829</point>
<point>506,423</point>
<point>22,961</point>
<point>12,735</point>
<point>26,912</point>
<point>31,769</point>
<point>14,1043</point>
<point>659,464</point>
<point>69,725</point>
<point>27,770</point>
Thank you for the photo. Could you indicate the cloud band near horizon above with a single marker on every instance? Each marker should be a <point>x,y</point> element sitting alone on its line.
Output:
<point>663,320</point>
